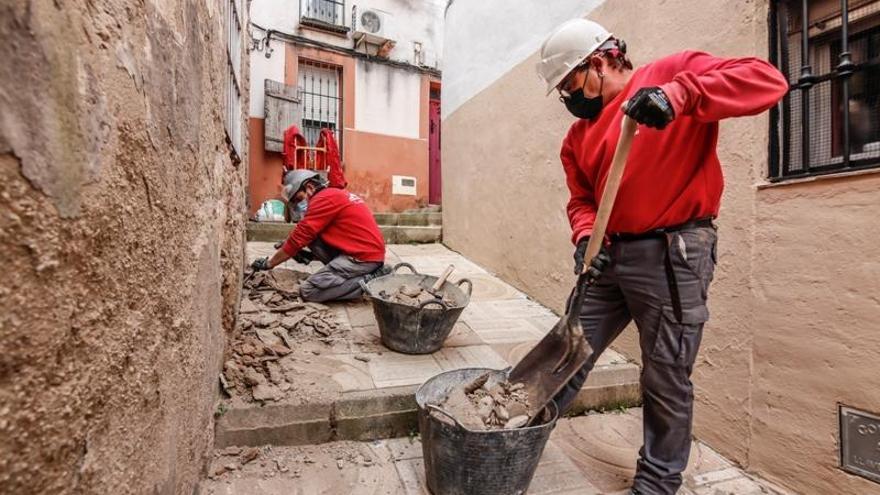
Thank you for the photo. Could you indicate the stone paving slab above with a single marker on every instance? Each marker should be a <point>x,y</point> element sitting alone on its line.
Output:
<point>593,454</point>
<point>497,328</point>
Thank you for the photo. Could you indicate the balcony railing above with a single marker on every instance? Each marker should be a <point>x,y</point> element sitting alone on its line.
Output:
<point>326,14</point>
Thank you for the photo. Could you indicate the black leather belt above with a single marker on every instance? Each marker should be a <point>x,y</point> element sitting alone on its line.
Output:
<point>666,234</point>
<point>662,231</point>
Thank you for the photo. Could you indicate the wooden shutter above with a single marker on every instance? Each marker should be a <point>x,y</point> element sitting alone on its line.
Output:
<point>282,110</point>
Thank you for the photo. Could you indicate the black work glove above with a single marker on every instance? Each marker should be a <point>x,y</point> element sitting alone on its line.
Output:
<point>597,265</point>
<point>261,264</point>
<point>650,106</point>
<point>304,257</point>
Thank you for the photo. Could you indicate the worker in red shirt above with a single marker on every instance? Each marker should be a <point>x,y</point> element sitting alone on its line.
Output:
<point>339,230</point>
<point>660,251</point>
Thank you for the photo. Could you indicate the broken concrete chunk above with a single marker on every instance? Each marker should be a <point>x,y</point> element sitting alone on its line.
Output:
<point>318,306</point>
<point>247,306</point>
<point>268,337</point>
<point>249,454</point>
<point>231,451</point>
<point>276,374</point>
<point>266,392</point>
<point>265,319</point>
<point>410,290</point>
<point>291,322</point>
<point>289,307</point>
<point>280,349</point>
<point>516,422</point>
<point>253,377</point>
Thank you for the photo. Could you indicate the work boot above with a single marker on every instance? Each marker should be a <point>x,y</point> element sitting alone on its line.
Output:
<point>378,272</point>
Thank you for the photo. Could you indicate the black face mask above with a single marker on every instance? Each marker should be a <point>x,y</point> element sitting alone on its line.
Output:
<point>582,107</point>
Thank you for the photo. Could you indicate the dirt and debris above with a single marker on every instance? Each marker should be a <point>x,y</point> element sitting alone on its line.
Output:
<point>414,295</point>
<point>273,322</point>
<point>482,405</point>
<point>291,462</point>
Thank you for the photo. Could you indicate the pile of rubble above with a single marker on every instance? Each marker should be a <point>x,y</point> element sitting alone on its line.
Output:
<point>273,321</point>
<point>413,295</point>
<point>481,406</point>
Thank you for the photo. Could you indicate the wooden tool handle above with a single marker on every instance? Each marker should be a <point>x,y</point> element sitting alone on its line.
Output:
<point>612,184</point>
<point>440,281</point>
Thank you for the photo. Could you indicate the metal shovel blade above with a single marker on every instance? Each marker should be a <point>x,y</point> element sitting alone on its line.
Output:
<point>546,369</point>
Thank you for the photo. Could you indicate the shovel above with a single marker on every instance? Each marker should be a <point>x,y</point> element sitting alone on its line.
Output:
<point>563,351</point>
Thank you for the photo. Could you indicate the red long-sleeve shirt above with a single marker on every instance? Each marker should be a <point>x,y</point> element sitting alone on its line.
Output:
<point>343,221</point>
<point>671,176</point>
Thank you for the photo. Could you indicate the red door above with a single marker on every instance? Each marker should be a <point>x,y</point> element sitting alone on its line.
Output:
<point>434,184</point>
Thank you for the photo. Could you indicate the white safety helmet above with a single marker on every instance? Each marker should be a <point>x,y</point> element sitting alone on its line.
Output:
<point>568,46</point>
<point>294,180</point>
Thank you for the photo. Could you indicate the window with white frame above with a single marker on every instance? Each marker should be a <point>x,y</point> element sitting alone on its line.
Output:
<point>233,123</point>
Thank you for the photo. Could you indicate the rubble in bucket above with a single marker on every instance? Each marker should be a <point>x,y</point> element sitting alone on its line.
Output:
<point>273,320</point>
<point>481,406</point>
<point>413,295</point>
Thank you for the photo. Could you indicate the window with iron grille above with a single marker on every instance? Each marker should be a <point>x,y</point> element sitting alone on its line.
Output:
<point>829,121</point>
<point>328,14</point>
<point>232,118</point>
<point>320,91</point>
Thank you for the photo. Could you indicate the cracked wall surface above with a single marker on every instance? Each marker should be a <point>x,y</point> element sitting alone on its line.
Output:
<point>121,238</point>
<point>794,302</point>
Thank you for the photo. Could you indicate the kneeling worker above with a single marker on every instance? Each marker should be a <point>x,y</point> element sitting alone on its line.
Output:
<point>339,230</point>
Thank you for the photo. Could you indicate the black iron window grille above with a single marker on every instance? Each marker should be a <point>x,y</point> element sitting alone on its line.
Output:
<point>320,90</point>
<point>328,14</point>
<point>829,122</point>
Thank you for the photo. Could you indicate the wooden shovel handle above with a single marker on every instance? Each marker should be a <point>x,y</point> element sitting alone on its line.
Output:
<point>442,279</point>
<point>615,173</point>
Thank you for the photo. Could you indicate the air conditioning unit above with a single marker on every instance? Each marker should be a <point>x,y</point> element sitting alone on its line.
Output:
<point>372,25</point>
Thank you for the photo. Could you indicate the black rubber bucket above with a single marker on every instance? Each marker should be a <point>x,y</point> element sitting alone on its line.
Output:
<point>460,461</point>
<point>415,329</point>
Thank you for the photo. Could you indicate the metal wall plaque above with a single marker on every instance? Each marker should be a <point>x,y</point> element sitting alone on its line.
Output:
<point>860,442</point>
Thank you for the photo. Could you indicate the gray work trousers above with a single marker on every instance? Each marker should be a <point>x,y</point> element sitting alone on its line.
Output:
<point>339,279</point>
<point>635,287</point>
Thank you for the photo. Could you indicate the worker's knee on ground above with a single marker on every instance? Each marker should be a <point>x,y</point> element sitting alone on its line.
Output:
<point>309,291</point>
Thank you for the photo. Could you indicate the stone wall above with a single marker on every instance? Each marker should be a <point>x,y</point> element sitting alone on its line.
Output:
<point>121,240</point>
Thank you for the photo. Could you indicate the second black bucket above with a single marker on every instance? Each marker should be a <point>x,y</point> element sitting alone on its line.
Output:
<point>460,461</point>
<point>415,329</point>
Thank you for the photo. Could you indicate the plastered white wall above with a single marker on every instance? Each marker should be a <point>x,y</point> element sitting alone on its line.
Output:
<point>387,100</point>
<point>410,21</point>
<point>378,108</point>
<point>263,68</point>
<point>485,39</point>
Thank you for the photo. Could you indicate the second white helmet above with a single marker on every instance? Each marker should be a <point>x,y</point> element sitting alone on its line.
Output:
<point>568,46</point>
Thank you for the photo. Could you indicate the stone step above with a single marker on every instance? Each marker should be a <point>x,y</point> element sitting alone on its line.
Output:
<point>394,233</point>
<point>585,455</point>
<point>408,234</point>
<point>386,412</point>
